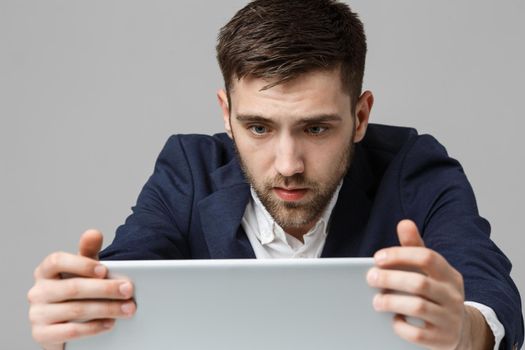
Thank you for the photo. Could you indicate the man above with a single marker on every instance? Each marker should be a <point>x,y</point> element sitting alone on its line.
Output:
<point>301,173</point>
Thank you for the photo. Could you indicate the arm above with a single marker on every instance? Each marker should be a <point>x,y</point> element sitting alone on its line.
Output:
<point>436,195</point>
<point>157,229</point>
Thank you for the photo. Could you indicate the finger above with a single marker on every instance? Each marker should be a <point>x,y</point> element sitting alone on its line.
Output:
<point>409,282</point>
<point>410,305</point>
<point>428,336</point>
<point>52,291</point>
<point>90,244</point>
<point>58,263</point>
<point>408,234</point>
<point>62,332</point>
<point>80,311</point>
<point>416,258</point>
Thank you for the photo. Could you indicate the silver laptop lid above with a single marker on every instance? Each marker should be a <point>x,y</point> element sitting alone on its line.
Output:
<point>249,304</point>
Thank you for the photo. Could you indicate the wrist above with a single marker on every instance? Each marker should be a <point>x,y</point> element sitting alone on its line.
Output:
<point>476,333</point>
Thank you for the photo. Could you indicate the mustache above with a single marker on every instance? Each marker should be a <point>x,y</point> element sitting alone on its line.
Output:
<point>296,180</point>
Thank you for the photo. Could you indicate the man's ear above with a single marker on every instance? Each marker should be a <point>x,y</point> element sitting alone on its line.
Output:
<point>362,112</point>
<point>223,103</point>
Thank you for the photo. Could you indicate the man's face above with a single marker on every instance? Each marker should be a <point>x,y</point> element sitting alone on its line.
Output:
<point>294,142</point>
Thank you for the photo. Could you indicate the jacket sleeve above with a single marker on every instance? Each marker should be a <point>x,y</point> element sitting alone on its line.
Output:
<point>156,228</point>
<point>436,193</point>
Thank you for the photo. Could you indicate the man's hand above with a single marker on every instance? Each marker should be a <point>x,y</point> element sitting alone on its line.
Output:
<point>83,304</point>
<point>418,282</point>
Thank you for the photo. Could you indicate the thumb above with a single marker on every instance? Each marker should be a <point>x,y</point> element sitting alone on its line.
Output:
<point>90,244</point>
<point>408,234</point>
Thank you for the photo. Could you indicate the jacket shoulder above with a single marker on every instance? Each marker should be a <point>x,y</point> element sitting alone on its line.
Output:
<point>383,144</point>
<point>203,151</point>
<point>388,138</point>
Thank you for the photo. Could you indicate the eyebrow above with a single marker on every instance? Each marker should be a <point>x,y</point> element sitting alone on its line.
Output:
<point>321,118</point>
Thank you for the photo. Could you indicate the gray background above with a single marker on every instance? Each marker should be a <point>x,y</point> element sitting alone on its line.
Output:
<point>90,91</point>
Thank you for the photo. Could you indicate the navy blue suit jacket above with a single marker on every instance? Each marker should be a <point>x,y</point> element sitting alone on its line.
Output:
<point>192,205</point>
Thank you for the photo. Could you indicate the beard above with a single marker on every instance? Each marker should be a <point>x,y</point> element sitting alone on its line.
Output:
<point>298,214</point>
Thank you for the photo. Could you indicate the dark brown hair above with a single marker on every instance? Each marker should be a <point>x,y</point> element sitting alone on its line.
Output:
<point>281,39</point>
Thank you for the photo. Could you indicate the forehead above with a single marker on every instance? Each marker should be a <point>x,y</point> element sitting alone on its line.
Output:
<point>316,92</point>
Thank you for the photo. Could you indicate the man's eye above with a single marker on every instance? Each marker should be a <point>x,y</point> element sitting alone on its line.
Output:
<point>258,129</point>
<point>316,130</point>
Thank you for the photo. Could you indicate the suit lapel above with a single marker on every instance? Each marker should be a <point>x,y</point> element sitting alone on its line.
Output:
<point>350,215</point>
<point>221,214</point>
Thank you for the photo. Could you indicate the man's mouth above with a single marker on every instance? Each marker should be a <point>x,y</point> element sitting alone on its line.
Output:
<point>290,194</point>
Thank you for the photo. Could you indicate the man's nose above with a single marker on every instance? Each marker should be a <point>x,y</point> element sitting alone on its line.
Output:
<point>289,156</point>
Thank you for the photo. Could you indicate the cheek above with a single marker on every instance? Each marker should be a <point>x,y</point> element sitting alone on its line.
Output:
<point>317,163</point>
<point>325,153</point>
<point>257,159</point>
<point>324,162</point>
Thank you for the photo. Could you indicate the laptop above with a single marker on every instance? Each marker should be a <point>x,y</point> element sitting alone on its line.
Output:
<point>274,304</point>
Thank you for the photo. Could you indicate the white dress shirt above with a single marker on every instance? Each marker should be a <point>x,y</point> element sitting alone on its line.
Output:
<point>269,241</point>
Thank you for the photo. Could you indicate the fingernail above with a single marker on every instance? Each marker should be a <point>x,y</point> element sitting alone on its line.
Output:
<point>127,308</point>
<point>125,289</point>
<point>377,302</point>
<point>100,271</point>
<point>108,323</point>
<point>380,256</point>
<point>373,275</point>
